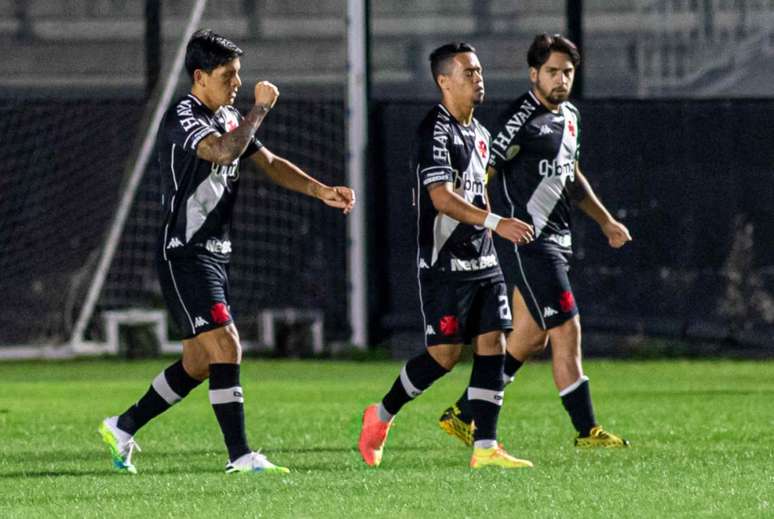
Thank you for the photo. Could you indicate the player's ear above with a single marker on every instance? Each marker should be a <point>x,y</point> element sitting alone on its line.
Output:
<point>533,74</point>
<point>199,77</point>
<point>443,81</point>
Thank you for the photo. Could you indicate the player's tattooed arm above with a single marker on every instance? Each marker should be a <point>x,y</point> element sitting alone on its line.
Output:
<point>588,202</point>
<point>286,174</point>
<point>225,149</point>
<point>446,201</point>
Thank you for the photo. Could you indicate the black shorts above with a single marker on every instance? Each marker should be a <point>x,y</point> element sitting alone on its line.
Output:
<point>542,278</point>
<point>196,292</point>
<point>455,311</point>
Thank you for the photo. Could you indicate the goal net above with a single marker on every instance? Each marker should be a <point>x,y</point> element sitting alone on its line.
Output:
<point>63,181</point>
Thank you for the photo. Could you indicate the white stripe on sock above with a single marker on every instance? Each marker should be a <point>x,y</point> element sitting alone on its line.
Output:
<point>572,387</point>
<point>410,389</point>
<point>485,444</point>
<point>161,386</point>
<point>488,395</point>
<point>384,415</point>
<point>226,396</point>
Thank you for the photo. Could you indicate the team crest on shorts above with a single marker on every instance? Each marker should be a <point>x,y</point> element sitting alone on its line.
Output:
<point>219,313</point>
<point>566,301</point>
<point>449,325</point>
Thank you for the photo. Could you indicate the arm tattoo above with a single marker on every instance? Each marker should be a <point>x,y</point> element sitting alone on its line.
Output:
<point>233,144</point>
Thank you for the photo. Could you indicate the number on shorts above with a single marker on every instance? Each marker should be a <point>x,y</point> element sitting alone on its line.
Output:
<point>505,309</point>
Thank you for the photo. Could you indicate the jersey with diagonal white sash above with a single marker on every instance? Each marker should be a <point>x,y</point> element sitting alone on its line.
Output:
<point>535,151</point>
<point>447,151</point>
<point>197,195</point>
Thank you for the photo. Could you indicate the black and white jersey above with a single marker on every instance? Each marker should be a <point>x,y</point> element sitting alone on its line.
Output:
<point>447,151</point>
<point>197,195</point>
<point>535,151</point>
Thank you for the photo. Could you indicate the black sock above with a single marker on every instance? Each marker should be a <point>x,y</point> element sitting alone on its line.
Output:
<point>228,403</point>
<point>485,394</point>
<point>416,376</point>
<point>510,367</point>
<point>169,387</point>
<point>578,405</point>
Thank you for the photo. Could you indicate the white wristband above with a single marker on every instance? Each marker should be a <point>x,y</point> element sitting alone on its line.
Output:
<point>492,220</point>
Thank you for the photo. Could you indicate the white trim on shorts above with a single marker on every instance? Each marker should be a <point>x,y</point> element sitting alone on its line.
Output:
<point>531,293</point>
<point>419,269</point>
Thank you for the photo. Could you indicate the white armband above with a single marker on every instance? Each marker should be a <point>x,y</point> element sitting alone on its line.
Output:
<point>492,220</point>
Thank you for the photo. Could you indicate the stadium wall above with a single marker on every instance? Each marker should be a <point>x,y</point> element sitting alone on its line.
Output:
<point>693,181</point>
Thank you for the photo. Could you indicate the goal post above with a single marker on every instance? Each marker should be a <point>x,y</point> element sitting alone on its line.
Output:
<point>135,170</point>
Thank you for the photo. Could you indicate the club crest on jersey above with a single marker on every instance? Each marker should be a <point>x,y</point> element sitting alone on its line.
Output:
<point>482,148</point>
<point>231,125</point>
<point>571,127</point>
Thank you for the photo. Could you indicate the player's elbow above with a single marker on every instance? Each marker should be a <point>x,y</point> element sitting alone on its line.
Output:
<point>441,201</point>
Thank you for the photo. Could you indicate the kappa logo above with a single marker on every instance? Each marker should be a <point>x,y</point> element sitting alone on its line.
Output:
<point>174,243</point>
<point>429,330</point>
<point>199,322</point>
<point>548,311</point>
<point>457,140</point>
<point>546,130</point>
<point>423,264</point>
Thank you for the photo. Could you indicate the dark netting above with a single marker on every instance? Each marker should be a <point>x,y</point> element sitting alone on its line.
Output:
<point>59,189</point>
<point>59,181</point>
<point>289,250</point>
<point>692,180</point>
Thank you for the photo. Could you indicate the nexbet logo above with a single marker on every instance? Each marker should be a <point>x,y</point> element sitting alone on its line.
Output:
<point>484,262</point>
<point>553,168</point>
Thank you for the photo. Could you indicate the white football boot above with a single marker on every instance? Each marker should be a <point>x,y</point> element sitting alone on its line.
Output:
<point>254,462</point>
<point>120,444</point>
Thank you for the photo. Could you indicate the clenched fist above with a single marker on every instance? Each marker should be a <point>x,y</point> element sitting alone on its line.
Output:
<point>266,94</point>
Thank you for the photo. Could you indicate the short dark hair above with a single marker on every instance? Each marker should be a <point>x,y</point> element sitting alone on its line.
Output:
<point>544,44</point>
<point>207,50</point>
<point>440,57</point>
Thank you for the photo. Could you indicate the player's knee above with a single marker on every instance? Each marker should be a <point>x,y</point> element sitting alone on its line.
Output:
<point>536,346</point>
<point>228,347</point>
<point>446,357</point>
<point>197,369</point>
<point>568,331</point>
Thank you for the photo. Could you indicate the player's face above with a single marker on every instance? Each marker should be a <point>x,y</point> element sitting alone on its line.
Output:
<point>222,84</point>
<point>554,79</point>
<point>465,81</point>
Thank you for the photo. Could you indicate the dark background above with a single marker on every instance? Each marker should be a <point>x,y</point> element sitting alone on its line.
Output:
<point>692,180</point>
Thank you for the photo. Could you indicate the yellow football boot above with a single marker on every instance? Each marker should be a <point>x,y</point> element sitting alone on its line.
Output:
<point>452,422</point>
<point>598,437</point>
<point>496,457</point>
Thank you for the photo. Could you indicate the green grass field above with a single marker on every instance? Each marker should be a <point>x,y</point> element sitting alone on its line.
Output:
<point>702,435</point>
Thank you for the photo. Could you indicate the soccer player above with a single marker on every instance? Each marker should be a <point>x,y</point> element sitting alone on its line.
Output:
<point>536,152</point>
<point>201,142</point>
<point>462,292</point>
